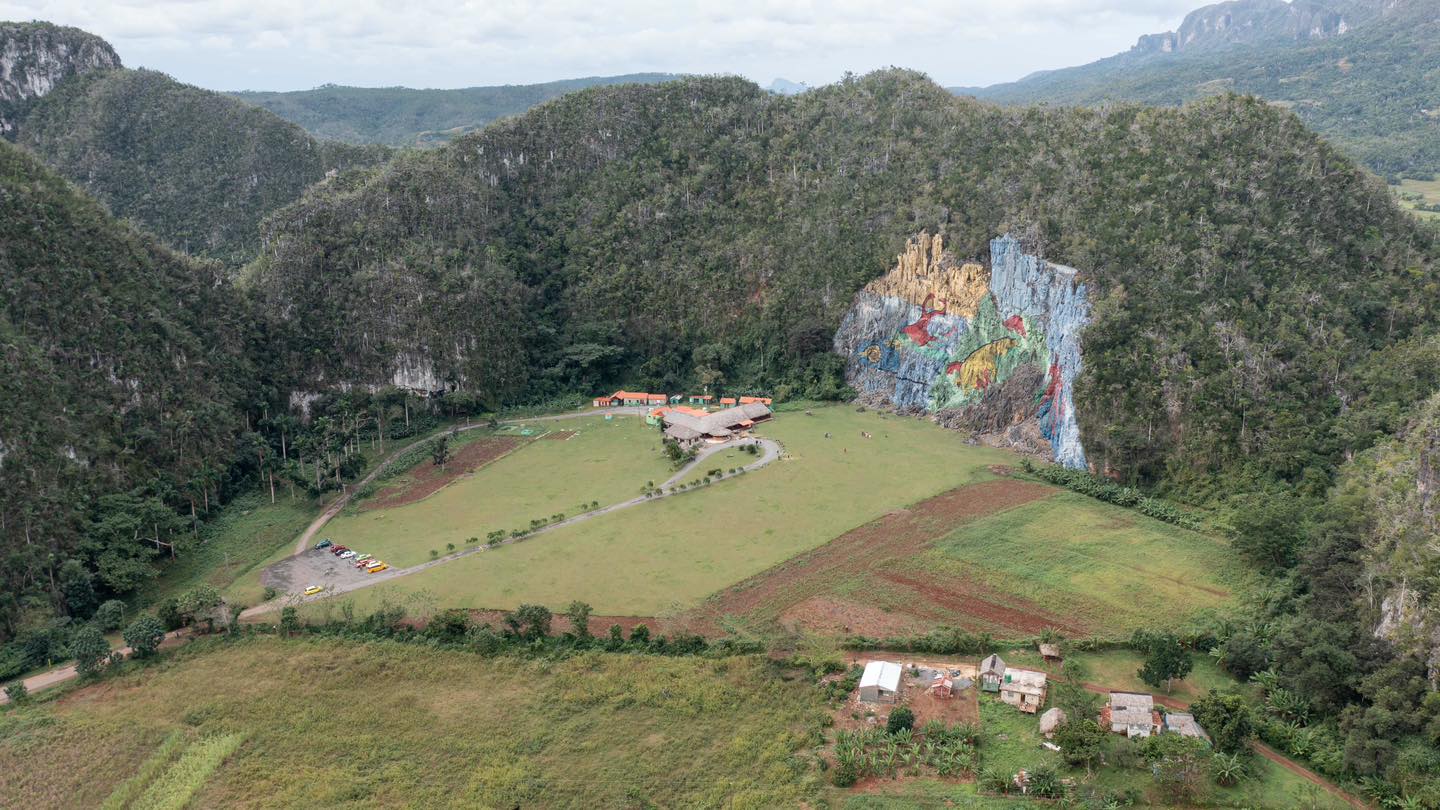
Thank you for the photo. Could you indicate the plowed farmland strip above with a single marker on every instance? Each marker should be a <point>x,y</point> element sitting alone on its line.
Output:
<point>895,536</point>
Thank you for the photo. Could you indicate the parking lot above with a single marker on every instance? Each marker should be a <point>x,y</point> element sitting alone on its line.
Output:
<point>312,567</point>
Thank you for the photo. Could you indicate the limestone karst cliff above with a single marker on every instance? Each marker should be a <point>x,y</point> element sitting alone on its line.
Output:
<point>34,57</point>
<point>993,349</point>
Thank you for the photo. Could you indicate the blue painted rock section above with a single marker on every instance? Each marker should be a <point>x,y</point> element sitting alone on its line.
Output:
<point>938,336</point>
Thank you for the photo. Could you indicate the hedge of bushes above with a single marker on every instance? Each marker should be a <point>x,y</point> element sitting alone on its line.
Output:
<point>1111,492</point>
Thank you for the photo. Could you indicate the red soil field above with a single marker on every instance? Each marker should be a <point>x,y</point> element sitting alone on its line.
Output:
<point>800,594</point>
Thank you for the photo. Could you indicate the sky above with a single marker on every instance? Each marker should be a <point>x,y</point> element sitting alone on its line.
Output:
<point>299,44</point>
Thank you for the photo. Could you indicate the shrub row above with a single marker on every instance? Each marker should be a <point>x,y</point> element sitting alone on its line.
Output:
<point>1111,492</point>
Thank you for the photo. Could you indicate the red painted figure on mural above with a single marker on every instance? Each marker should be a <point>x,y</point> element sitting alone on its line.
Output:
<point>919,331</point>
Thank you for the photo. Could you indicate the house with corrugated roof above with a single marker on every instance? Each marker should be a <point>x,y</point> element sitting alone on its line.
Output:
<point>1131,714</point>
<point>1184,724</point>
<point>1024,689</point>
<point>992,671</point>
<point>880,682</point>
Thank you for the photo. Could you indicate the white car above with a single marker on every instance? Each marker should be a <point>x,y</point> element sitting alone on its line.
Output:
<point>347,555</point>
<point>374,564</point>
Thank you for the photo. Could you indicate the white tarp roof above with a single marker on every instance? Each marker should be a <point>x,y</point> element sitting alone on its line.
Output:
<point>883,674</point>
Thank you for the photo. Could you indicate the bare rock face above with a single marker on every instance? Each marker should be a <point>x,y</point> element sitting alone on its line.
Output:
<point>994,351</point>
<point>1246,21</point>
<point>35,57</point>
<point>1398,482</point>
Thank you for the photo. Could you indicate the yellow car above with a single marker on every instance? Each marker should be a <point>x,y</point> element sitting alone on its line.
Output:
<point>377,569</point>
<point>313,589</point>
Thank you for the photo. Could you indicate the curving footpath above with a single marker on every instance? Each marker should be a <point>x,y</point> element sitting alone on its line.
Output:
<point>771,450</point>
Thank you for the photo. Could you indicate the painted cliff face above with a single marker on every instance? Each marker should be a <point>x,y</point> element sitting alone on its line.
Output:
<point>937,335</point>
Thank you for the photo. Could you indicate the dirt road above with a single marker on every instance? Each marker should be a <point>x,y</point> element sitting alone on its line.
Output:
<point>59,675</point>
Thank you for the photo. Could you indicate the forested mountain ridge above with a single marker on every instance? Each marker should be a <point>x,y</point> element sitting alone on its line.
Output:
<point>36,56</point>
<point>194,167</point>
<point>704,230</point>
<point>1374,88</point>
<point>405,116</point>
<point>125,368</point>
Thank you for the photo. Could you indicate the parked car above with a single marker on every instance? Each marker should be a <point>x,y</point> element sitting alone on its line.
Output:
<point>338,550</point>
<point>359,563</point>
<point>373,563</point>
<point>377,569</point>
<point>345,555</point>
<point>363,557</point>
<point>313,589</point>
<point>323,544</point>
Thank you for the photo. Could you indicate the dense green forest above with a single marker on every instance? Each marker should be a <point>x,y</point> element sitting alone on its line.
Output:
<point>125,364</point>
<point>1374,90</point>
<point>194,167</point>
<point>405,116</point>
<point>1248,278</point>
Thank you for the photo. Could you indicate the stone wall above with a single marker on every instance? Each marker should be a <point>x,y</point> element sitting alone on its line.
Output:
<point>962,340</point>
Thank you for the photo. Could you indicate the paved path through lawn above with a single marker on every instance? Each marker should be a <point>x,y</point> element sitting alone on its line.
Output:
<point>357,579</point>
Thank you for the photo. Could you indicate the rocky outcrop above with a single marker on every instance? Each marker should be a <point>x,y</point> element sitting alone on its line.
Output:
<point>1398,482</point>
<point>993,350</point>
<point>35,57</point>
<point>1244,21</point>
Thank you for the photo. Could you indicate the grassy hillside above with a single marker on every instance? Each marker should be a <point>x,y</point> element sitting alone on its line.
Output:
<point>1374,90</point>
<point>405,116</point>
<point>194,167</point>
<point>328,723</point>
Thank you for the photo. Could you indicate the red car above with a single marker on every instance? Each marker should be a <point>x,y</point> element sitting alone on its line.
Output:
<point>338,550</point>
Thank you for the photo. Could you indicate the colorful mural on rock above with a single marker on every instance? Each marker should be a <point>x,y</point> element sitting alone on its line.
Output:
<point>937,335</point>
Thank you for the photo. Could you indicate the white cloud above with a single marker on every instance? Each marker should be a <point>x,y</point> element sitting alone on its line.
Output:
<point>430,43</point>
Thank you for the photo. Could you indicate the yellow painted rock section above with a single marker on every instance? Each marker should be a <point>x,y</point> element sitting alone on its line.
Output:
<point>927,272</point>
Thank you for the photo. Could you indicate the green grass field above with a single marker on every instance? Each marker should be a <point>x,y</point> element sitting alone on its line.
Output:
<point>321,723</point>
<point>605,462</point>
<point>1116,669</point>
<point>661,557</point>
<point>1426,191</point>
<point>1108,568</point>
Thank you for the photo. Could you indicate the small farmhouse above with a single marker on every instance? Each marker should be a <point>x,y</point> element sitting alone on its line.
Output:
<point>1050,653</point>
<point>1024,689</point>
<point>629,398</point>
<point>1130,714</point>
<point>1183,723</point>
<point>992,671</point>
<point>687,428</point>
<point>880,683</point>
<point>701,400</point>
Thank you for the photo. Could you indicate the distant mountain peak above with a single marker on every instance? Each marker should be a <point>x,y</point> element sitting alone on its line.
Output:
<point>36,56</point>
<point>785,87</point>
